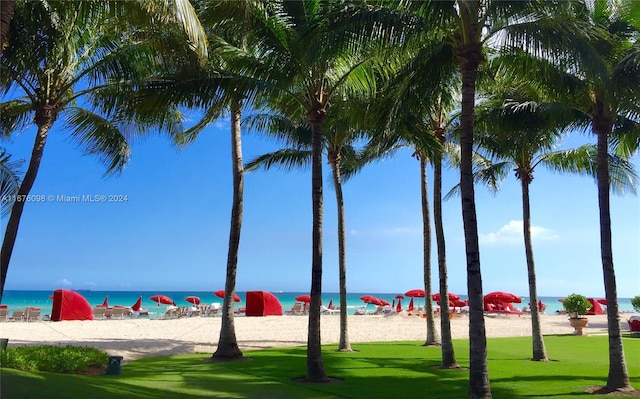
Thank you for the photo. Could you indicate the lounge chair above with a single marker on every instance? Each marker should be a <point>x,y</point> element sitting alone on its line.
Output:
<point>118,313</point>
<point>4,313</point>
<point>361,311</point>
<point>326,310</point>
<point>298,309</point>
<point>17,315</point>
<point>99,312</point>
<point>32,314</point>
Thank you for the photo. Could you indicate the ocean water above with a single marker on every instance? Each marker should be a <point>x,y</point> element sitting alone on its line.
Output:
<point>19,299</point>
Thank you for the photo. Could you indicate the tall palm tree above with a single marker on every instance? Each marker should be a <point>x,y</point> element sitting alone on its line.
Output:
<point>77,67</point>
<point>469,25</point>
<point>604,92</point>
<point>311,79</point>
<point>515,126</point>
<point>339,145</point>
<point>417,98</point>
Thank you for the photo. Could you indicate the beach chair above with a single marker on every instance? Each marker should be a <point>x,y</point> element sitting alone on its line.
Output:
<point>326,310</point>
<point>17,315</point>
<point>32,314</point>
<point>118,313</point>
<point>99,312</point>
<point>298,309</point>
<point>4,313</point>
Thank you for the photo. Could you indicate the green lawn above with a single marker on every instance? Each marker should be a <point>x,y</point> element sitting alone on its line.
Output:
<point>377,370</point>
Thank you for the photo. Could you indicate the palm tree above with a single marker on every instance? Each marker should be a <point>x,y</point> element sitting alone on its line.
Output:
<point>517,127</point>
<point>604,92</point>
<point>310,81</point>
<point>6,15</point>
<point>339,140</point>
<point>469,25</point>
<point>79,69</point>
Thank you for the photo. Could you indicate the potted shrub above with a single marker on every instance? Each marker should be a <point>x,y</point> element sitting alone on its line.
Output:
<point>577,306</point>
<point>635,302</point>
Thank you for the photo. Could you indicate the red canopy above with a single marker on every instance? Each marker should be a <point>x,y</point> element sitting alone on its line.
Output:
<point>602,301</point>
<point>262,303</point>
<point>595,307</point>
<point>193,299</point>
<point>162,299</point>
<point>136,306</point>
<point>500,297</point>
<point>384,302</point>
<point>105,303</point>
<point>417,293</point>
<point>220,294</point>
<point>70,305</point>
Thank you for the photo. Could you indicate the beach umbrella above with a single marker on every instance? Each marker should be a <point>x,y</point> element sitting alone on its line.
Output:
<point>105,303</point>
<point>399,297</point>
<point>602,301</point>
<point>371,299</point>
<point>451,295</point>
<point>220,294</point>
<point>416,293</point>
<point>500,297</point>
<point>162,299</point>
<point>303,298</point>
<point>136,306</point>
<point>399,308</point>
<point>411,305</point>
<point>193,299</point>
<point>456,303</point>
<point>330,303</point>
<point>393,303</point>
<point>384,302</point>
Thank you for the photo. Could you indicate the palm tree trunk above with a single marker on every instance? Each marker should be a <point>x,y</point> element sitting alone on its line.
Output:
<point>470,56</point>
<point>448,354</point>
<point>315,366</point>
<point>11,233</point>
<point>432,337</point>
<point>7,9</point>
<point>539,351</point>
<point>227,344</point>
<point>618,378</point>
<point>345,345</point>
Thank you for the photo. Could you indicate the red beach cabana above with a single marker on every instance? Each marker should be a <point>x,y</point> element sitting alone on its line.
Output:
<point>262,303</point>
<point>595,307</point>
<point>69,305</point>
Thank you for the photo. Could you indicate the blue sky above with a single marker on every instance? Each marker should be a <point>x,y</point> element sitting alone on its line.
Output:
<point>172,231</point>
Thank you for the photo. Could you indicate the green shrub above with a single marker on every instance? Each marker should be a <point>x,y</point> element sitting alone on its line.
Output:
<point>57,359</point>
<point>635,302</point>
<point>576,305</point>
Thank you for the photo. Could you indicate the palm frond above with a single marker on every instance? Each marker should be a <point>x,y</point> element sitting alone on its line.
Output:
<point>9,181</point>
<point>16,115</point>
<point>286,159</point>
<point>98,137</point>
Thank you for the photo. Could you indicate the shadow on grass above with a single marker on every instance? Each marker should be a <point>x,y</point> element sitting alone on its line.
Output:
<point>376,371</point>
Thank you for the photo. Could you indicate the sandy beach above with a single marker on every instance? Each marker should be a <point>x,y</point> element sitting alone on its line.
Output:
<point>138,337</point>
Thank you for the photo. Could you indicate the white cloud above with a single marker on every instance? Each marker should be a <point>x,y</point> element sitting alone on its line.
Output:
<point>64,282</point>
<point>511,233</point>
